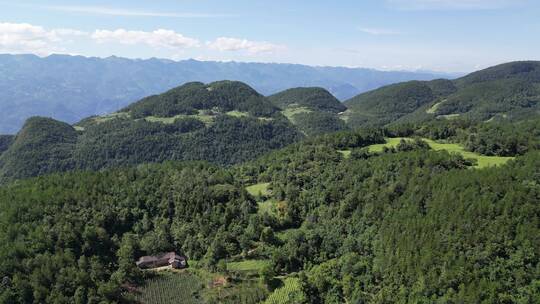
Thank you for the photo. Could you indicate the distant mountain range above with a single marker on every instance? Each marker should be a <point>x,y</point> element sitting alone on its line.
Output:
<point>69,88</point>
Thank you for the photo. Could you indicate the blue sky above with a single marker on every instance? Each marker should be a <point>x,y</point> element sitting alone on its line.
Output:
<point>440,35</point>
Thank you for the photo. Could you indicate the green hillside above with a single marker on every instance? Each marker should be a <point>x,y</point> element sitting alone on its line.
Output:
<point>221,96</point>
<point>523,70</point>
<point>5,142</point>
<point>223,122</point>
<point>313,110</point>
<point>385,105</point>
<point>315,99</point>
<point>43,145</point>
<point>508,92</point>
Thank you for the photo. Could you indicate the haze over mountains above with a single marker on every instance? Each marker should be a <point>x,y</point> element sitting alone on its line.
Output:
<point>70,88</point>
<point>228,122</point>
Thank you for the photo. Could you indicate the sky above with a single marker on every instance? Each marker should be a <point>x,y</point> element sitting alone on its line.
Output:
<point>430,35</point>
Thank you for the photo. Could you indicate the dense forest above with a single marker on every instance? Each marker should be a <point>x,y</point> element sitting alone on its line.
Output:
<point>406,225</point>
<point>507,92</point>
<point>224,122</point>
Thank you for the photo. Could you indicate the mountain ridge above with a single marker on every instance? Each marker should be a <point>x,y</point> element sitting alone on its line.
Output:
<point>70,88</point>
<point>507,91</point>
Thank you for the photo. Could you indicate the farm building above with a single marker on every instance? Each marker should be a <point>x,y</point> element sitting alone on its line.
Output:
<point>163,259</point>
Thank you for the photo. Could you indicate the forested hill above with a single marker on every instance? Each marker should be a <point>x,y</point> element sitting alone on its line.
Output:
<point>316,99</point>
<point>313,110</point>
<point>221,96</point>
<point>332,219</point>
<point>224,122</point>
<point>228,122</point>
<point>70,88</point>
<point>508,92</point>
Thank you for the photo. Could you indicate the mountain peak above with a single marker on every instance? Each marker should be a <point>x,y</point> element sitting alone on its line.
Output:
<point>523,70</point>
<point>220,96</point>
<point>313,98</point>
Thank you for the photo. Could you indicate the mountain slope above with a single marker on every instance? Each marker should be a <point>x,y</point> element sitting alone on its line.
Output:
<point>5,142</point>
<point>315,99</point>
<point>222,96</point>
<point>224,122</point>
<point>69,88</point>
<point>313,110</point>
<point>510,91</point>
<point>387,104</point>
<point>43,145</point>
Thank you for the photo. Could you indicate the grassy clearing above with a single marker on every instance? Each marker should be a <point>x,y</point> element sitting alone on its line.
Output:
<point>104,118</point>
<point>390,142</point>
<point>345,116</point>
<point>291,111</point>
<point>258,189</point>
<point>205,118</point>
<point>268,207</point>
<point>434,108</point>
<point>449,116</point>
<point>163,120</point>
<point>291,292</point>
<point>78,128</point>
<point>237,114</point>
<point>284,235</point>
<point>170,288</point>
<point>482,160</point>
<point>345,153</point>
<point>248,265</point>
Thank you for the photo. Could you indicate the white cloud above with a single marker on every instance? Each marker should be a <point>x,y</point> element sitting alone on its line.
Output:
<point>68,32</point>
<point>451,4</point>
<point>378,31</point>
<point>252,47</point>
<point>28,38</point>
<point>160,38</point>
<point>99,10</point>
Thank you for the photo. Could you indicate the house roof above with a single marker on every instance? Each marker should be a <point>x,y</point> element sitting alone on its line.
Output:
<point>167,256</point>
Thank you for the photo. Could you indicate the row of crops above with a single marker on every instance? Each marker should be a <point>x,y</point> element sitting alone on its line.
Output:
<point>290,293</point>
<point>170,288</point>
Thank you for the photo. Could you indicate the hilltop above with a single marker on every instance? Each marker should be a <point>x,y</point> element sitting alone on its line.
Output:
<point>221,96</point>
<point>313,110</point>
<point>508,92</point>
<point>223,122</point>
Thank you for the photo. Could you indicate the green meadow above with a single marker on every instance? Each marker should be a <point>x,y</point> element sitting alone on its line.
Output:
<point>290,112</point>
<point>247,265</point>
<point>483,161</point>
<point>258,189</point>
